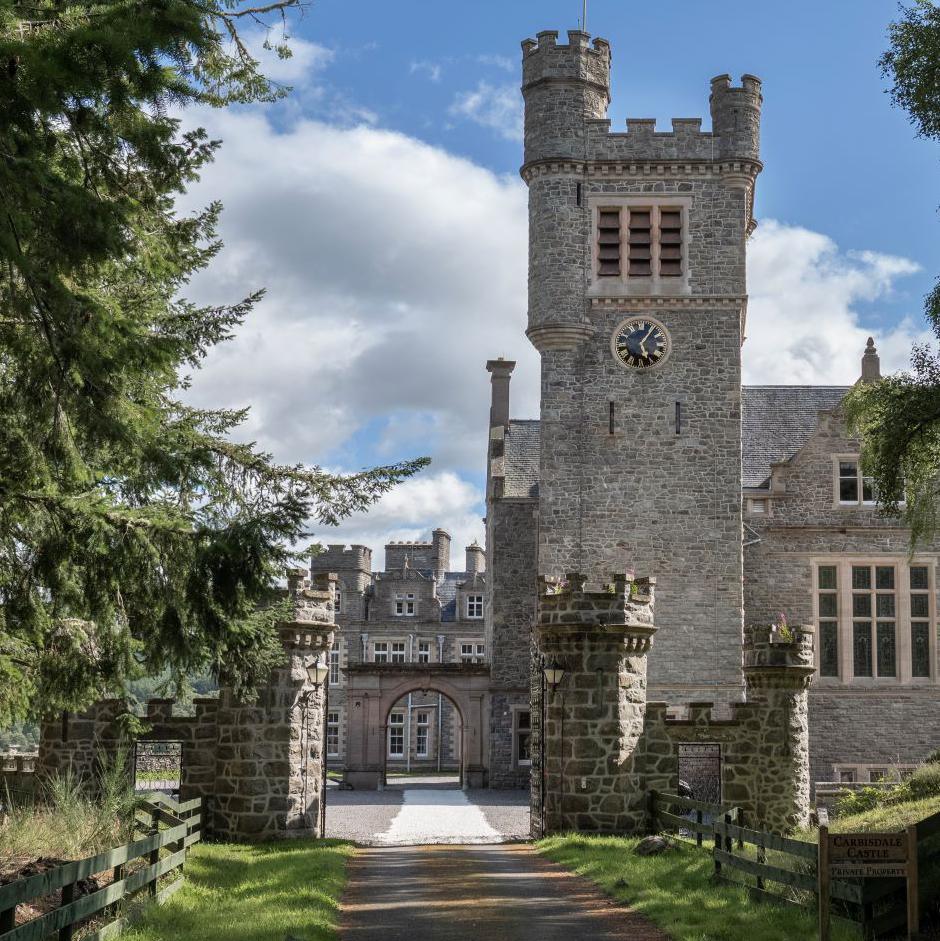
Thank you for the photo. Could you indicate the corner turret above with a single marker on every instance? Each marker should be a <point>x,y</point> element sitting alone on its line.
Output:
<point>562,86</point>
<point>736,116</point>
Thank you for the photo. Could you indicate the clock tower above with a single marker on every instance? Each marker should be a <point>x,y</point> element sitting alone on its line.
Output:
<point>637,304</point>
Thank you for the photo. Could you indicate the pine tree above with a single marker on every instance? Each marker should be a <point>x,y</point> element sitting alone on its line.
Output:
<point>136,533</point>
<point>898,418</point>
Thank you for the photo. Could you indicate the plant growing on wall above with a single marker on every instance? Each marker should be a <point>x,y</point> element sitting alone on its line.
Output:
<point>137,534</point>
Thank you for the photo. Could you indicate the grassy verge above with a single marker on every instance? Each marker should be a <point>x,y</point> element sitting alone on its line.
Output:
<point>676,891</point>
<point>887,818</point>
<point>259,892</point>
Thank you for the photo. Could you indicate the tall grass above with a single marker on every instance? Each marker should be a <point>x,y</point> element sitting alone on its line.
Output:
<point>68,819</point>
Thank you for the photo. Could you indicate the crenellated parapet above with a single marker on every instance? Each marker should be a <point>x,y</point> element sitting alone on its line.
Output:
<point>623,605</point>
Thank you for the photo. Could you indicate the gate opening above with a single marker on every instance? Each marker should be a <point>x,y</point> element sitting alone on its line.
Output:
<point>158,766</point>
<point>700,772</point>
<point>423,742</point>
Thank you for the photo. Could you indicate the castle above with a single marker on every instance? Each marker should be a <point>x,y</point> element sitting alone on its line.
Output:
<point>649,455</point>
<point>650,472</point>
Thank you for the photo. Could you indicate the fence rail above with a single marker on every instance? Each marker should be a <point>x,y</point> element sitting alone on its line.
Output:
<point>780,867</point>
<point>134,867</point>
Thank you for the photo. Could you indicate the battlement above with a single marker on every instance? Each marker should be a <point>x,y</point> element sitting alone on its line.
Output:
<point>343,558</point>
<point>570,603</point>
<point>581,60</point>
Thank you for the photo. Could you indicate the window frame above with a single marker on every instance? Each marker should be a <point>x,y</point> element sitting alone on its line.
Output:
<point>330,727</point>
<point>422,725</point>
<point>518,732</point>
<point>421,658</point>
<point>396,726</point>
<point>837,477</point>
<point>845,619</point>
<point>383,651</point>
<point>404,605</point>
<point>474,602</point>
<point>336,664</point>
<point>609,285</point>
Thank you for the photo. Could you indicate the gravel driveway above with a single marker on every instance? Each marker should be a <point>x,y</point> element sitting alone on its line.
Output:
<point>427,815</point>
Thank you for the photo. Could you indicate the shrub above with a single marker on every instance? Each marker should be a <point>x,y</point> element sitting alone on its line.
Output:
<point>925,781</point>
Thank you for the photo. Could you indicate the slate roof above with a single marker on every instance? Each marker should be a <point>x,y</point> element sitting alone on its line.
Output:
<point>522,459</point>
<point>776,421</point>
<point>447,594</point>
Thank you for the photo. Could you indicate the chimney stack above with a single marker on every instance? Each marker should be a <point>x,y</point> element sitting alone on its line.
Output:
<point>501,371</point>
<point>440,552</point>
<point>476,559</point>
<point>871,363</point>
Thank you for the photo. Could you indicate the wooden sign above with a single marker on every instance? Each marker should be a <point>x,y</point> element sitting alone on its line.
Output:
<point>859,855</point>
<point>864,856</point>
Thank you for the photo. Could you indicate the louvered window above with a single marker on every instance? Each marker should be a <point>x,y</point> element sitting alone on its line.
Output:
<point>640,242</point>
<point>608,243</point>
<point>670,243</point>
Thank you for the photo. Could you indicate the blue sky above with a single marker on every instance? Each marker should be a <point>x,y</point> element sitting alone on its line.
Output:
<point>380,204</point>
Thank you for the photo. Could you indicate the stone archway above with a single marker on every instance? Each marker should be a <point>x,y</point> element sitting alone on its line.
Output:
<point>374,688</point>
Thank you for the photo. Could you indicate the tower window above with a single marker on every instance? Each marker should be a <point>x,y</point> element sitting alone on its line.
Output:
<point>641,245</point>
<point>474,606</point>
<point>608,243</point>
<point>650,237</point>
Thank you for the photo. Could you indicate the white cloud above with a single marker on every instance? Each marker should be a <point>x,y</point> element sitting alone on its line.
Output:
<point>433,70</point>
<point>498,107</point>
<point>803,325</point>
<point>394,270</point>
<point>499,62</point>
<point>410,512</point>
<point>308,59</point>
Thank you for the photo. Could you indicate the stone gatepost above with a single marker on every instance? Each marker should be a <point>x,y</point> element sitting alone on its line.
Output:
<point>595,717</point>
<point>269,764</point>
<point>778,669</point>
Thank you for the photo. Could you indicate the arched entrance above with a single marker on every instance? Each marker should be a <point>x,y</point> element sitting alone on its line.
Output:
<point>424,741</point>
<point>374,689</point>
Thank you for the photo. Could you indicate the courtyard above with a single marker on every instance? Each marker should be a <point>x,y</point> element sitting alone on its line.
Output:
<point>425,813</point>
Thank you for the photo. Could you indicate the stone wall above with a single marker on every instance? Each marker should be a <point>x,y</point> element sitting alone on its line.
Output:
<point>258,765</point>
<point>606,747</point>
<point>621,481</point>
<point>510,606</point>
<point>853,721</point>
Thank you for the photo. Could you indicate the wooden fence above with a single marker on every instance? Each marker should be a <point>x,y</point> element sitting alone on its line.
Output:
<point>782,869</point>
<point>145,865</point>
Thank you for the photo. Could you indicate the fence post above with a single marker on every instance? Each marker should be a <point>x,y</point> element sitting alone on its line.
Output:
<point>651,811</point>
<point>698,832</point>
<point>7,920</point>
<point>740,820</point>
<point>154,856</point>
<point>68,896</point>
<point>913,903</point>
<point>728,847</point>
<point>717,825</point>
<point>822,881</point>
<point>761,859</point>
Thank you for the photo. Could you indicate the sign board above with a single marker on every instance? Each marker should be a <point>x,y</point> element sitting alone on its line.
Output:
<point>865,856</point>
<point>860,855</point>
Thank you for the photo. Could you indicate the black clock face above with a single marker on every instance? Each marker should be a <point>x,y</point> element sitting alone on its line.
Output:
<point>641,343</point>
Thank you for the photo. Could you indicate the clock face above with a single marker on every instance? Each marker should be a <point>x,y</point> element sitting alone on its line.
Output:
<point>641,343</point>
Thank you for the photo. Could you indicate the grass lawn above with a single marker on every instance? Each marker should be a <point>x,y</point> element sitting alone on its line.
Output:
<point>259,892</point>
<point>677,892</point>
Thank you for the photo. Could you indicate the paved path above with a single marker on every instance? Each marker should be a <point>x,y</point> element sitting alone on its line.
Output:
<point>491,893</point>
<point>438,816</point>
<point>427,815</point>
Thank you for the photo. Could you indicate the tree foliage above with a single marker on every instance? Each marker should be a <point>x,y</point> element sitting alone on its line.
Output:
<point>898,418</point>
<point>137,534</point>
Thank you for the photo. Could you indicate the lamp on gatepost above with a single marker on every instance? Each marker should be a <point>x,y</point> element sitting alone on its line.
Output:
<point>554,674</point>
<point>318,674</point>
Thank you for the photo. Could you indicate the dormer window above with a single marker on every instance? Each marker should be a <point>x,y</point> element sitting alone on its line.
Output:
<point>405,606</point>
<point>474,606</point>
<point>854,488</point>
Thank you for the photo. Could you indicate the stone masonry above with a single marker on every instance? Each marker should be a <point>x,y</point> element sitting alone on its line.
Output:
<point>606,747</point>
<point>258,765</point>
<point>642,467</point>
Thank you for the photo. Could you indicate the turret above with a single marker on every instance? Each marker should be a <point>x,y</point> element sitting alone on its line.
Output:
<point>736,116</point>
<point>562,86</point>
